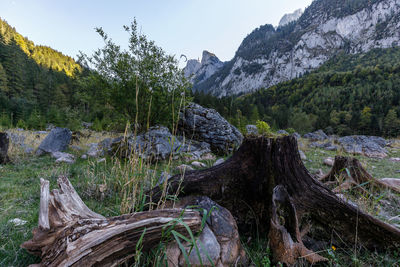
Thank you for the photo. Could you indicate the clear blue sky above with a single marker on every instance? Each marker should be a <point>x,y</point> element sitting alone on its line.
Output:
<point>178,26</point>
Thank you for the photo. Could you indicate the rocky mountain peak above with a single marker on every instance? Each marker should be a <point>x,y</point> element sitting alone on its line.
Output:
<point>200,71</point>
<point>288,18</point>
<point>268,56</point>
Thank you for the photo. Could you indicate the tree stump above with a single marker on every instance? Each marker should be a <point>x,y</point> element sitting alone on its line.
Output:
<point>4,144</point>
<point>269,191</point>
<point>349,172</point>
<point>70,234</point>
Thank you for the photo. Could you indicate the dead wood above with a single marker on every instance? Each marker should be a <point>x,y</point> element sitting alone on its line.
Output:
<point>348,172</point>
<point>70,234</point>
<point>248,184</point>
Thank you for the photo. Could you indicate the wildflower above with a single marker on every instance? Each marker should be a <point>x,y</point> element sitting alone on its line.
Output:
<point>334,248</point>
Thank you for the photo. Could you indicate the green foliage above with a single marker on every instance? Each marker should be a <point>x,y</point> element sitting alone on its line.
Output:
<point>263,128</point>
<point>140,84</point>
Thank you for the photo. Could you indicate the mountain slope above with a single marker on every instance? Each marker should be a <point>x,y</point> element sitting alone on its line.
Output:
<point>269,56</point>
<point>42,55</point>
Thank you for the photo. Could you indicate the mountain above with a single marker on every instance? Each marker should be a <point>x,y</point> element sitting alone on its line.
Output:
<point>35,81</point>
<point>288,18</point>
<point>268,56</point>
<point>348,94</point>
<point>198,71</point>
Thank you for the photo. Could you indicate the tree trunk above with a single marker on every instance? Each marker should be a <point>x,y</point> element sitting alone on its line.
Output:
<point>4,143</point>
<point>269,191</point>
<point>70,234</point>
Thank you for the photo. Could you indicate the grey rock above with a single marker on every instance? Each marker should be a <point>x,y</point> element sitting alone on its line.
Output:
<point>16,139</point>
<point>84,156</point>
<point>370,146</point>
<point>329,161</point>
<point>198,164</point>
<point>164,176</point>
<point>57,140</point>
<point>209,126</point>
<point>194,148</point>
<point>208,247</point>
<point>183,168</point>
<point>101,160</point>
<point>297,135</point>
<point>326,146</point>
<point>218,162</point>
<point>17,221</point>
<point>316,136</point>
<point>65,160</point>
<point>282,132</point>
<point>41,132</point>
<point>251,129</point>
<point>63,157</point>
<point>302,155</point>
<point>87,125</point>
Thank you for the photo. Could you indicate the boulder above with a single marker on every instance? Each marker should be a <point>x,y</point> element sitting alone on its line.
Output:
<point>251,129</point>
<point>156,144</point>
<point>4,144</point>
<point>316,136</point>
<point>326,146</point>
<point>218,241</point>
<point>370,146</point>
<point>209,126</point>
<point>56,141</point>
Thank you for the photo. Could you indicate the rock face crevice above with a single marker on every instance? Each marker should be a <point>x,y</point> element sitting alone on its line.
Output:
<point>269,56</point>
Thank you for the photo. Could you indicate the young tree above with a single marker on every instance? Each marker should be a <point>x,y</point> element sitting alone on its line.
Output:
<point>141,84</point>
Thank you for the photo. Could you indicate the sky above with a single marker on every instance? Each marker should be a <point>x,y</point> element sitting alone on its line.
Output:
<point>178,26</point>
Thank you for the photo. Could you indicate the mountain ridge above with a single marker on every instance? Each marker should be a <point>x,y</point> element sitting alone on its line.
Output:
<point>269,56</point>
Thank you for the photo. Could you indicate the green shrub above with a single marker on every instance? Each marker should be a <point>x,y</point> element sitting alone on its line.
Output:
<point>263,128</point>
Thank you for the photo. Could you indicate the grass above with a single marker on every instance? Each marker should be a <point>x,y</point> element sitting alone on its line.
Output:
<point>114,187</point>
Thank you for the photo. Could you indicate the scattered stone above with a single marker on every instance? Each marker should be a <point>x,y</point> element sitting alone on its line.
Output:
<point>394,159</point>
<point>297,135</point>
<point>101,160</point>
<point>316,136</point>
<point>4,144</point>
<point>209,126</point>
<point>326,146</point>
<point>57,140</point>
<point>76,148</point>
<point>219,161</point>
<point>282,132</point>
<point>17,222</point>
<point>41,132</point>
<point>198,164</point>
<point>87,125</point>
<point>84,156</point>
<point>28,150</point>
<point>251,129</point>
<point>208,156</point>
<point>182,168</point>
<point>329,161</point>
<point>369,146</point>
<point>63,157</point>
<point>194,148</point>
<point>16,139</point>
<point>302,155</point>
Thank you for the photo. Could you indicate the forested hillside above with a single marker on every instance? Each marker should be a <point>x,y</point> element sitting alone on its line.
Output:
<point>349,94</point>
<point>37,83</point>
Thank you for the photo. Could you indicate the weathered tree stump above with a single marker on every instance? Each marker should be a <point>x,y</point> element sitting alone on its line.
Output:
<point>349,172</point>
<point>269,191</point>
<point>70,234</point>
<point>4,144</point>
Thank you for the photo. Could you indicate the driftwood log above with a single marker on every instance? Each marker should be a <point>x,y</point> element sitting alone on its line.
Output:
<point>70,234</point>
<point>270,192</point>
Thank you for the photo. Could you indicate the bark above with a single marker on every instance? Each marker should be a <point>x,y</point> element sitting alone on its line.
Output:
<point>348,172</point>
<point>269,191</point>
<point>70,234</point>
